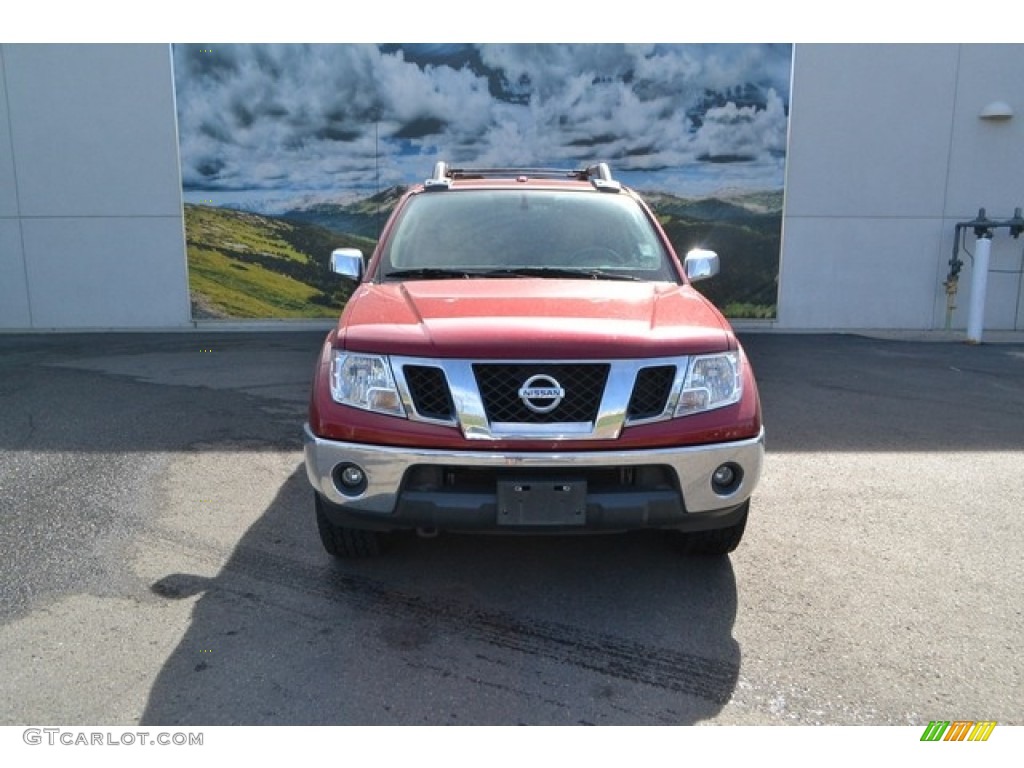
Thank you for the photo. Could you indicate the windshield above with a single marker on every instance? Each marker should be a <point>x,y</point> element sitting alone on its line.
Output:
<point>525,233</point>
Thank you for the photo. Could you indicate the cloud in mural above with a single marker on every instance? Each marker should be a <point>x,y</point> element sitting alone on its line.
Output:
<point>742,133</point>
<point>293,120</point>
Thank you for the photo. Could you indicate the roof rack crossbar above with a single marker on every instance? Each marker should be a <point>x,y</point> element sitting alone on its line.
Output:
<point>550,173</point>
<point>598,174</point>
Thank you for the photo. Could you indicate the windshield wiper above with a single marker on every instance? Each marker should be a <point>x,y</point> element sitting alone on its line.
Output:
<point>441,273</point>
<point>578,274</point>
<point>428,273</point>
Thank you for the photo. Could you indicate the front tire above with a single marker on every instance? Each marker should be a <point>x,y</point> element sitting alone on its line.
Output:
<point>716,542</point>
<point>343,542</point>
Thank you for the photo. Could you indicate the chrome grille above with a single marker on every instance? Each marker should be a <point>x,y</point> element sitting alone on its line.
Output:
<point>575,400</point>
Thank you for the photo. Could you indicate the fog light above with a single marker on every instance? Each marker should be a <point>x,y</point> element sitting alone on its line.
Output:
<point>726,478</point>
<point>350,479</point>
<point>353,476</point>
<point>723,475</point>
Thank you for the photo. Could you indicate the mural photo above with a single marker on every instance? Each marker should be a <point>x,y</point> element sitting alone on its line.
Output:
<point>290,151</point>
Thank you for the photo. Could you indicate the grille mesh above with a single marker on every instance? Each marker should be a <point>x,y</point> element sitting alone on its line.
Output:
<point>500,383</point>
<point>429,389</point>
<point>650,394</point>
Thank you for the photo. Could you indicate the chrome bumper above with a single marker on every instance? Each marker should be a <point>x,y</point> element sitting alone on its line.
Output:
<point>385,467</point>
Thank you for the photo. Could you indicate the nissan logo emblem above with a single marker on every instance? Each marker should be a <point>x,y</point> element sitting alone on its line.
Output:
<point>541,394</point>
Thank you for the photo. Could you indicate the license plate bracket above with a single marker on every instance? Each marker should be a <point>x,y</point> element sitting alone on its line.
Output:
<point>539,502</point>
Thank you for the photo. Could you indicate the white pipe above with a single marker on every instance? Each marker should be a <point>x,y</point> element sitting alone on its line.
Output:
<point>979,286</point>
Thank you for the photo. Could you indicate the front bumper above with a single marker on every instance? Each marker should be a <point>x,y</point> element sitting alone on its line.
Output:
<point>384,501</point>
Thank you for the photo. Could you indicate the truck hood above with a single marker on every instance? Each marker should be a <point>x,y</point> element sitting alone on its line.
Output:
<point>541,318</point>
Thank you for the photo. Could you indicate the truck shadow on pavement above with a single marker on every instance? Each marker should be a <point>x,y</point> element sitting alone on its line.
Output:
<point>452,630</point>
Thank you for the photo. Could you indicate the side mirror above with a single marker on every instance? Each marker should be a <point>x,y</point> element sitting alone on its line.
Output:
<point>701,264</point>
<point>347,262</point>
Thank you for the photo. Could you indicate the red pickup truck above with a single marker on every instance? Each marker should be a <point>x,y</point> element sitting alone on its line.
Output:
<point>524,353</point>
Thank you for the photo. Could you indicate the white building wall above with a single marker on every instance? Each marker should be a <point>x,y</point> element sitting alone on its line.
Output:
<point>91,230</point>
<point>886,154</point>
<point>14,312</point>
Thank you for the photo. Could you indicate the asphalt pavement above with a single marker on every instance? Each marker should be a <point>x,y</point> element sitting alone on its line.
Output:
<point>161,564</point>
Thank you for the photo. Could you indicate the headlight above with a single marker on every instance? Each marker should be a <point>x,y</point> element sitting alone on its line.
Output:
<point>712,381</point>
<point>365,381</point>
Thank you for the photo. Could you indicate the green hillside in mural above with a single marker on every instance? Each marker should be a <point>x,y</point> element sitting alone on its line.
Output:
<point>746,232</point>
<point>244,265</point>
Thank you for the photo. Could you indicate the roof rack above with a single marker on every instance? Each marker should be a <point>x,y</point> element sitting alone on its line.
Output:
<point>599,175</point>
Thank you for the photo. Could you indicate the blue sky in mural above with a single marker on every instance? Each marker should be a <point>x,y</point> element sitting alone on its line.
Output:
<point>271,127</point>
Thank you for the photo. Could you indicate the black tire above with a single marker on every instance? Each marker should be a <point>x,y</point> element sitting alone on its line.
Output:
<point>716,542</point>
<point>343,542</point>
